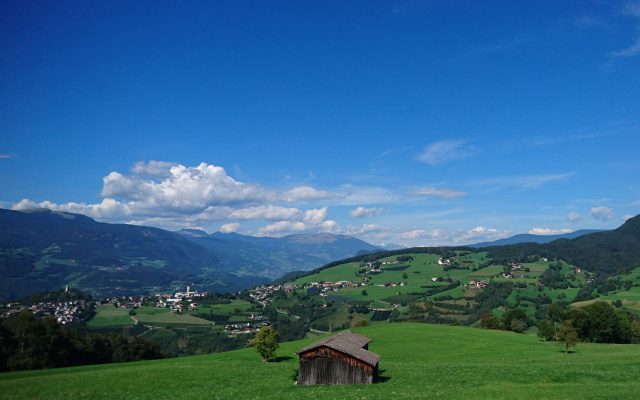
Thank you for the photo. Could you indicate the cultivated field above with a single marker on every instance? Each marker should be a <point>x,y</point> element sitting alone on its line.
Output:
<point>109,316</point>
<point>418,361</point>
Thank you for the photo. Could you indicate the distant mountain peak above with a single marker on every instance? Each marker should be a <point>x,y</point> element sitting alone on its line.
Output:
<point>531,238</point>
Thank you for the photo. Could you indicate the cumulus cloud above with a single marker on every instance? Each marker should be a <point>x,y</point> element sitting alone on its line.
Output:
<point>362,212</point>
<point>573,216</point>
<point>316,216</point>
<point>172,195</point>
<point>152,168</point>
<point>602,213</point>
<point>446,150</point>
<point>549,231</point>
<point>281,227</point>
<point>106,209</point>
<point>481,233</point>
<point>231,227</point>
<point>442,193</point>
<point>330,226</point>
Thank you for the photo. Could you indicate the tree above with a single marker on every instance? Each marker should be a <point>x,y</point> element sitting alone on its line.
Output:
<point>490,321</point>
<point>266,343</point>
<point>546,329</point>
<point>567,335</point>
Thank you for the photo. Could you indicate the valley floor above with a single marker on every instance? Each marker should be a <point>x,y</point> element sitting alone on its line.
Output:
<point>418,361</point>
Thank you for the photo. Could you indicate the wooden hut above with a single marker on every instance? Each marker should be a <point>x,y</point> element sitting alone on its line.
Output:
<point>340,359</point>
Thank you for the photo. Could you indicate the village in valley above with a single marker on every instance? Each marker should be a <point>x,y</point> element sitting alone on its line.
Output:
<point>387,288</point>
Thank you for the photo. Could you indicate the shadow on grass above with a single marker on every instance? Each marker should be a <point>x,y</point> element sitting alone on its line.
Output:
<point>282,358</point>
<point>381,377</point>
<point>568,352</point>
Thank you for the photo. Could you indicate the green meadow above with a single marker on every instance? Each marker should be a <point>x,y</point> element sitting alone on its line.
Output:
<point>170,319</point>
<point>419,361</point>
<point>109,316</point>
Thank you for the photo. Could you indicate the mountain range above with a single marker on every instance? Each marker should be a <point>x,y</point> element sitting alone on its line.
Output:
<point>531,238</point>
<point>43,250</point>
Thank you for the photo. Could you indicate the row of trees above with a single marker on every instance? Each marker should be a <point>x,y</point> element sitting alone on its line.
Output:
<point>599,322</point>
<point>27,342</point>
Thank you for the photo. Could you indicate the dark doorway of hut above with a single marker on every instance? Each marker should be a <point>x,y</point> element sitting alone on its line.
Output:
<point>342,359</point>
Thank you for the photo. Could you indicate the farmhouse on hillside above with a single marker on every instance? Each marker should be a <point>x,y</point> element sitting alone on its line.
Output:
<point>340,359</point>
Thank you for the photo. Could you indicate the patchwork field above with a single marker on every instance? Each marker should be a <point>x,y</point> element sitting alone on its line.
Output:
<point>630,299</point>
<point>170,319</point>
<point>108,316</point>
<point>418,361</point>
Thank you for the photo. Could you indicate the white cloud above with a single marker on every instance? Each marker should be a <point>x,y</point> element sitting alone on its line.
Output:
<point>413,234</point>
<point>281,227</point>
<point>352,195</point>
<point>362,212</point>
<point>549,231</point>
<point>573,216</point>
<point>106,209</point>
<point>627,216</point>
<point>231,227</point>
<point>312,220</point>
<point>172,195</point>
<point>152,168</point>
<point>602,213</point>
<point>632,9</point>
<point>24,204</point>
<point>442,193</point>
<point>630,51</point>
<point>268,212</point>
<point>523,182</point>
<point>330,226</point>
<point>480,233</point>
<point>316,216</point>
<point>4,156</point>
<point>305,193</point>
<point>446,150</point>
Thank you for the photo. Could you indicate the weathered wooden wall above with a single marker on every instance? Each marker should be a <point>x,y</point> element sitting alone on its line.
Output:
<point>326,366</point>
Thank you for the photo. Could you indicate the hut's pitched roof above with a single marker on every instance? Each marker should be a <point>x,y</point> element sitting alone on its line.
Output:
<point>349,343</point>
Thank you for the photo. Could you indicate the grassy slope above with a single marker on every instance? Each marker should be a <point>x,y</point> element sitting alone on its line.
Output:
<point>109,316</point>
<point>418,361</point>
<point>424,267</point>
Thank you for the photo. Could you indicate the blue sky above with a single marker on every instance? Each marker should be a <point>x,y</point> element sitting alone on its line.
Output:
<point>414,122</point>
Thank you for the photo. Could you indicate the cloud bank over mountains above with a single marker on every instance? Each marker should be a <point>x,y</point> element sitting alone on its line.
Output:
<point>175,196</point>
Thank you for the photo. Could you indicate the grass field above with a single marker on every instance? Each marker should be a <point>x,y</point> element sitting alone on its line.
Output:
<point>170,319</point>
<point>419,361</point>
<point>416,276</point>
<point>109,316</point>
<point>630,299</point>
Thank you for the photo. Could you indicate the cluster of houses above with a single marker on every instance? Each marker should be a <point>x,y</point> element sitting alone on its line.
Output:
<point>125,301</point>
<point>444,261</point>
<point>474,284</point>
<point>253,325</point>
<point>177,301</point>
<point>262,294</point>
<point>65,312</point>
<point>391,284</point>
<point>326,287</point>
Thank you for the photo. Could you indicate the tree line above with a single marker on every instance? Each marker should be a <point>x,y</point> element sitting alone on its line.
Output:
<point>28,342</point>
